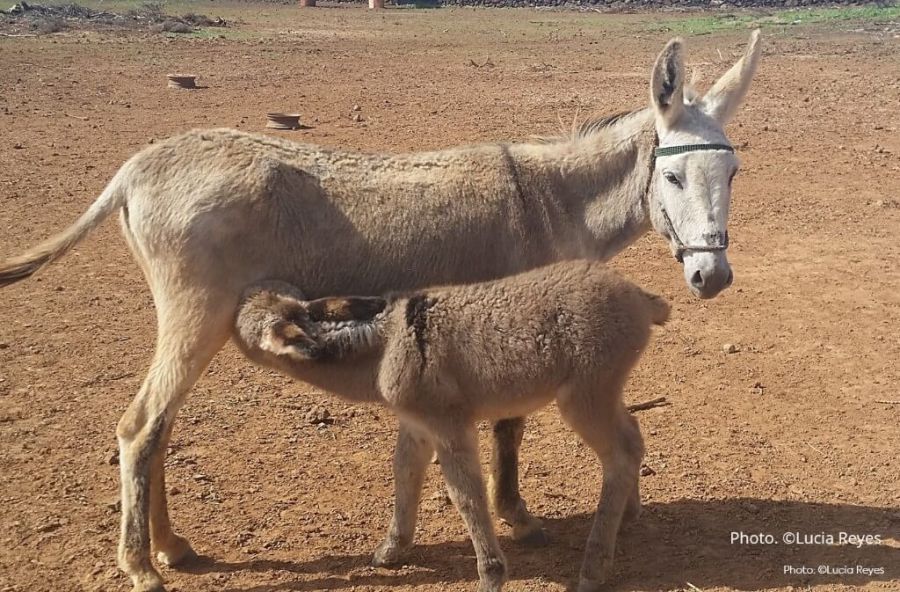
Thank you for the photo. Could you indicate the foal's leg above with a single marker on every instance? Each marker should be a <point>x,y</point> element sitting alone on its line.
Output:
<point>504,483</point>
<point>189,336</point>
<point>614,436</point>
<point>411,458</point>
<point>458,454</point>
<point>633,507</point>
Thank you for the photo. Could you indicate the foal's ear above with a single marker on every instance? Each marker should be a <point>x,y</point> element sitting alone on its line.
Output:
<point>285,338</point>
<point>723,99</point>
<point>345,308</point>
<point>667,83</point>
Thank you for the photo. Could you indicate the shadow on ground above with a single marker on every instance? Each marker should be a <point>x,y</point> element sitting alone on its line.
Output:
<point>671,544</point>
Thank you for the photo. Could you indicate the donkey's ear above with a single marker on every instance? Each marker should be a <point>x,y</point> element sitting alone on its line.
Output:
<point>723,99</point>
<point>285,338</point>
<point>667,83</point>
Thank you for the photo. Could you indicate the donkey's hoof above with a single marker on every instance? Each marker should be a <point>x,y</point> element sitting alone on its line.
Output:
<point>389,553</point>
<point>531,535</point>
<point>179,551</point>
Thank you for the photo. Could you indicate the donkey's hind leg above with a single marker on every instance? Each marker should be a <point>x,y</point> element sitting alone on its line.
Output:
<point>504,483</point>
<point>189,336</point>
<point>411,458</point>
<point>607,427</point>
<point>170,548</point>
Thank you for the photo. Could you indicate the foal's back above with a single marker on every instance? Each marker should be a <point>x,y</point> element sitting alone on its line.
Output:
<point>510,344</point>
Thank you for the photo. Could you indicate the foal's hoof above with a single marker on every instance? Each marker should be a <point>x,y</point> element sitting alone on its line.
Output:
<point>179,551</point>
<point>492,575</point>
<point>150,582</point>
<point>631,514</point>
<point>531,535</point>
<point>389,553</point>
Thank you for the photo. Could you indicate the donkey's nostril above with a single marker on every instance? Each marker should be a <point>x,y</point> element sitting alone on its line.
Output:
<point>697,279</point>
<point>730,279</point>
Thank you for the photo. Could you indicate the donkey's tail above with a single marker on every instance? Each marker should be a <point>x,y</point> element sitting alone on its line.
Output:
<point>19,268</point>
<point>658,308</point>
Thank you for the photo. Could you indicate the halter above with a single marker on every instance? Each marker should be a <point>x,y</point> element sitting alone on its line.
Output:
<point>719,239</point>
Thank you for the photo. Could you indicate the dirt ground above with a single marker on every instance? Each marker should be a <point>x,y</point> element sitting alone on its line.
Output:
<point>794,432</point>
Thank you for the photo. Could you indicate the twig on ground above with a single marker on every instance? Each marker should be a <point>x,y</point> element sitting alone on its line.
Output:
<point>488,63</point>
<point>660,402</point>
<point>105,379</point>
<point>814,448</point>
<point>887,402</point>
<point>294,406</point>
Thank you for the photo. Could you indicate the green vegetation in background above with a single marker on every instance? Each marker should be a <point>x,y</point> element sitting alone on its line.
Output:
<point>704,25</point>
<point>251,20</point>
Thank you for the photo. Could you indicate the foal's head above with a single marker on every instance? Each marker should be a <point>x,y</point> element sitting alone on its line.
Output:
<point>271,322</point>
<point>690,191</point>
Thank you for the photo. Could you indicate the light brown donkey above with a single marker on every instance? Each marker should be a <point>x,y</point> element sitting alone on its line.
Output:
<point>210,212</point>
<point>444,358</point>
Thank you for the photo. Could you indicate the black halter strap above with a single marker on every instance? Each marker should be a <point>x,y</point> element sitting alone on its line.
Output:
<point>673,150</point>
<point>718,240</point>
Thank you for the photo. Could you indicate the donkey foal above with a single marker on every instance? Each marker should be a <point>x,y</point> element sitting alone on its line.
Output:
<point>444,358</point>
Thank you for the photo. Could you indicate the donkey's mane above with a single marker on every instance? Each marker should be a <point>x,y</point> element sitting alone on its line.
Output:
<point>597,123</point>
<point>593,125</point>
<point>586,128</point>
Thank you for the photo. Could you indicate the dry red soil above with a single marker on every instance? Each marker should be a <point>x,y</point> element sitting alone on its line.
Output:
<point>794,432</point>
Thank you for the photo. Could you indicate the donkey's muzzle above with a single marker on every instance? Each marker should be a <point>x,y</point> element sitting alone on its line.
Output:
<point>707,274</point>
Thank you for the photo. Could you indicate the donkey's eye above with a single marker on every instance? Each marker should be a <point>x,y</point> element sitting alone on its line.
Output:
<point>671,178</point>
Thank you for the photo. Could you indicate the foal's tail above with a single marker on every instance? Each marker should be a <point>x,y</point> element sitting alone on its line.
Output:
<point>658,308</point>
<point>23,266</point>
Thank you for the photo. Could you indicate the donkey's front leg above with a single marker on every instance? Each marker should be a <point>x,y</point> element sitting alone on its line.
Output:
<point>411,458</point>
<point>457,449</point>
<point>504,483</point>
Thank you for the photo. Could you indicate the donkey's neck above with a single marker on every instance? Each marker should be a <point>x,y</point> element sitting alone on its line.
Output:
<point>596,182</point>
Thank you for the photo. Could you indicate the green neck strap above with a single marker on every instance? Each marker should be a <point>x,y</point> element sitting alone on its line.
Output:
<point>673,150</point>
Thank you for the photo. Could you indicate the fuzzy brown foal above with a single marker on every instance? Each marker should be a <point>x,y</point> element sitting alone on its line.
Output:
<point>444,358</point>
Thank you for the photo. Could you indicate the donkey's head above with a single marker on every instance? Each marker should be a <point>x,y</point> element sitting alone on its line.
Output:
<point>690,190</point>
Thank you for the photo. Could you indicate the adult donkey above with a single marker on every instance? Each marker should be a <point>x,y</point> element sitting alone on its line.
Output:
<point>210,212</point>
